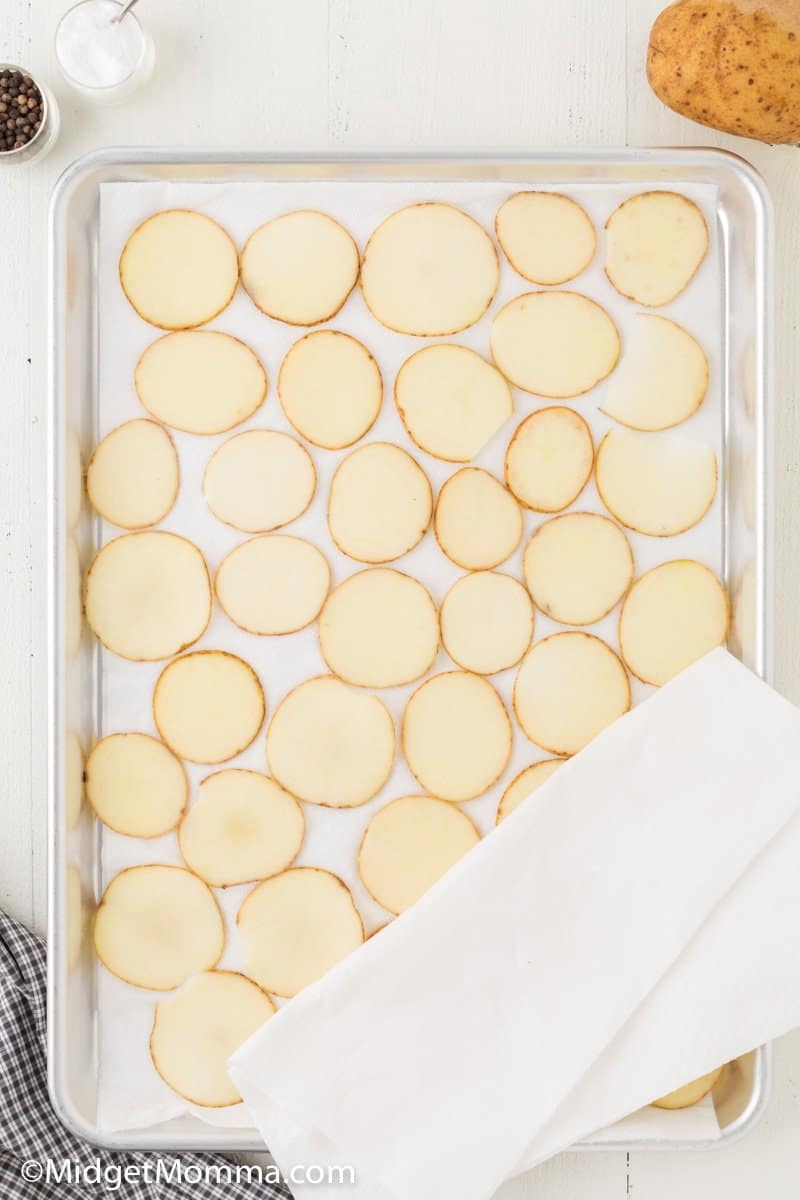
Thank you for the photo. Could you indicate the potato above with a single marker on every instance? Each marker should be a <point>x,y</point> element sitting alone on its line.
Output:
<point>208,706</point>
<point>662,379</point>
<point>330,388</point>
<point>274,584</point>
<point>487,622</point>
<point>524,784</point>
<point>132,478</point>
<point>577,567</point>
<point>380,503</point>
<point>136,785</point>
<point>547,238</point>
<point>259,480</point>
<point>549,459</point>
<point>690,1093</point>
<point>478,523</point>
<point>655,243</point>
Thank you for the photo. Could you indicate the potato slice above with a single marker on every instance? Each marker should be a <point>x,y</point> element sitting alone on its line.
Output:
<point>524,784</point>
<point>409,844</point>
<point>136,785</point>
<point>148,595</point>
<point>556,344</point>
<point>296,926</point>
<point>478,523</point>
<point>379,629</point>
<point>430,270</point>
<point>549,459</point>
<point>487,622</point>
<point>330,744</point>
<point>196,1031</point>
<point>259,480</point>
<point>655,243</point>
<point>132,477</point>
<point>655,485</point>
<point>548,238</point>
<point>690,1093</point>
<point>300,267</point>
<point>200,381</point>
<point>242,827</point>
<point>451,401</point>
<point>380,503</point>
<point>330,388</point>
<point>157,925</point>
<point>273,584</point>
<point>569,688</point>
<point>179,269</point>
<point>456,735</point>
<point>662,379</point>
<point>208,706</point>
<point>577,567</point>
<point>673,615</point>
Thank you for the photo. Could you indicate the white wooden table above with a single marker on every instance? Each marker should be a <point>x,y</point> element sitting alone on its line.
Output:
<point>313,74</point>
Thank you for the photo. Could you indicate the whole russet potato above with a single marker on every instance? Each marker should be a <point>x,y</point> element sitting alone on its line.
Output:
<point>730,64</point>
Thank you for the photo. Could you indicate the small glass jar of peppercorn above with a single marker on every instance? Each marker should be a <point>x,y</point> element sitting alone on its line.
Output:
<point>28,116</point>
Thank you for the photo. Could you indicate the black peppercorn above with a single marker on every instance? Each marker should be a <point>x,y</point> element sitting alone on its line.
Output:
<point>21,110</point>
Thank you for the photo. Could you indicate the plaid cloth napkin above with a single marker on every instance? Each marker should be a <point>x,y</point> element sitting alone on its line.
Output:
<point>30,1131</point>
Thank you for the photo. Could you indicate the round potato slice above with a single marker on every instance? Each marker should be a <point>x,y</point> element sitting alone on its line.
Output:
<point>329,744</point>
<point>148,595</point>
<point>547,238</point>
<point>273,584</point>
<point>487,622</point>
<point>549,459</point>
<point>655,243</point>
<point>656,485</point>
<point>478,523</point>
<point>300,267</point>
<point>196,1031</point>
<point>524,784</point>
<point>577,567</point>
<point>132,477</point>
<point>200,381</point>
<point>673,615</point>
<point>330,388</point>
<point>179,269</point>
<point>556,344</point>
<point>296,926</point>
<point>259,480</point>
<point>690,1093</point>
<point>430,270</point>
<point>662,379</point>
<point>208,706</point>
<point>157,925</point>
<point>379,629</point>
<point>136,785</point>
<point>380,503</point>
<point>408,845</point>
<point>569,687</point>
<point>456,735</point>
<point>451,401</point>
<point>241,827</point>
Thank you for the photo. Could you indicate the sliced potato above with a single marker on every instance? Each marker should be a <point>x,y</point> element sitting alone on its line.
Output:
<point>655,485</point>
<point>555,344</point>
<point>273,584</point>
<point>655,243</point>
<point>208,706</point>
<point>451,401</point>
<point>673,615</point>
<point>662,379</point>
<point>197,1030</point>
<point>524,784</point>
<point>690,1093</point>
<point>157,925</point>
<point>487,622</point>
<point>200,381</point>
<point>330,388</point>
<point>179,269</point>
<point>132,477</point>
<point>549,459</point>
<point>569,688</point>
<point>259,480</point>
<point>409,844</point>
<point>296,926</point>
<point>73,779</point>
<point>478,523</point>
<point>430,270</point>
<point>456,735</point>
<point>380,503</point>
<point>242,827</point>
<point>330,744</point>
<point>379,629</point>
<point>148,595</point>
<point>548,238</point>
<point>577,567</point>
<point>136,785</point>
<point>300,267</point>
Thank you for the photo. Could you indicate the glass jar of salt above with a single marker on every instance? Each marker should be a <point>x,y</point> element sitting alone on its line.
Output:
<point>104,55</point>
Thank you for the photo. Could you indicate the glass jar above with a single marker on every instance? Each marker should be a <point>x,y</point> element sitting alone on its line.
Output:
<point>103,59</point>
<point>45,135</point>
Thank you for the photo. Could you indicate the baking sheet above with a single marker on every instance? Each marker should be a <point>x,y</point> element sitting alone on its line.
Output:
<point>131,1093</point>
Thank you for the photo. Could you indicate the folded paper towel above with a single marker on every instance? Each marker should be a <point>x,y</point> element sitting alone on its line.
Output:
<point>622,932</point>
